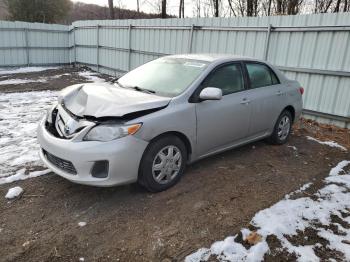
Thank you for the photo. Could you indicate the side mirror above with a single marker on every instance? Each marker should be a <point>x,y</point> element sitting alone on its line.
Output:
<point>210,93</point>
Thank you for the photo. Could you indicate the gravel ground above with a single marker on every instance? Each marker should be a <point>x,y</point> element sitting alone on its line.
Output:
<point>216,198</point>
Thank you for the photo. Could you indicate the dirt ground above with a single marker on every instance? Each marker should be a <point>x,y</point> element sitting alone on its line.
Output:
<point>215,199</point>
<point>67,76</point>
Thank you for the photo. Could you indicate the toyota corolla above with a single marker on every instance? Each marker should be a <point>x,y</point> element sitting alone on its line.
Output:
<point>153,121</point>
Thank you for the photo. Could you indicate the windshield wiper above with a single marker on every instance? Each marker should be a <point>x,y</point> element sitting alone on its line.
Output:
<point>137,88</point>
<point>114,79</point>
<point>119,84</point>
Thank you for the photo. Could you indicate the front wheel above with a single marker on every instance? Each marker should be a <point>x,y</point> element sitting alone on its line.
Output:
<point>282,129</point>
<point>163,163</point>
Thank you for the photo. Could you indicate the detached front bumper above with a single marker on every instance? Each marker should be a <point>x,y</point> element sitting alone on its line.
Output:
<point>123,156</point>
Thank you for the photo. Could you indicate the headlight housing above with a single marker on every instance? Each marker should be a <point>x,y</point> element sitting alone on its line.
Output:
<point>108,132</point>
<point>49,113</point>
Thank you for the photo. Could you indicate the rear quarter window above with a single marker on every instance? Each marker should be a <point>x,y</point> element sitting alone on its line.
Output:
<point>261,75</point>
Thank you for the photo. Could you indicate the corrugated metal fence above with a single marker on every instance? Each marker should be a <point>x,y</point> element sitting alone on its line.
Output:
<point>23,44</point>
<point>314,49</point>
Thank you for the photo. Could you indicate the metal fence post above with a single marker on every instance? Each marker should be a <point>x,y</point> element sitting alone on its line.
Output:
<point>97,47</point>
<point>190,40</point>
<point>129,48</point>
<point>267,41</point>
<point>27,45</point>
<point>74,47</point>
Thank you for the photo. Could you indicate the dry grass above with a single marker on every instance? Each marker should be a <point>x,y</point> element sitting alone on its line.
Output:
<point>323,132</point>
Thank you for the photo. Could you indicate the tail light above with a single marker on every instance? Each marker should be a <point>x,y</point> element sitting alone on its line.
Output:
<point>301,90</point>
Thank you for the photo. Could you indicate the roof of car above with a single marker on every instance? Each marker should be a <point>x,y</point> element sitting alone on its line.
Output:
<point>212,57</point>
<point>218,58</point>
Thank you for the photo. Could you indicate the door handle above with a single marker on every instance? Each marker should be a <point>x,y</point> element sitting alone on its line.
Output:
<point>245,101</point>
<point>279,93</point>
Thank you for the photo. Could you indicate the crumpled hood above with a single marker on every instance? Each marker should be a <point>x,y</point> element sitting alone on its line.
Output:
<point>107,100</point>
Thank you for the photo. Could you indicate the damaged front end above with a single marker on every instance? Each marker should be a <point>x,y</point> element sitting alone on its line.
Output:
<point>62,123</point>
<point>61,135</point>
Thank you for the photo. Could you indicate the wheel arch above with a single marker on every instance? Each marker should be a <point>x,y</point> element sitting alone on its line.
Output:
<point>180,135</point>
<point>291,110</point>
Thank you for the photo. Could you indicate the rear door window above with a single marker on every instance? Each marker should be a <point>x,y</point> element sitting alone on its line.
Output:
<point>261,75</point>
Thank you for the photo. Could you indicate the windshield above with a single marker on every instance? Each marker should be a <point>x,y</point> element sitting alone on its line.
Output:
<point>165,76</point>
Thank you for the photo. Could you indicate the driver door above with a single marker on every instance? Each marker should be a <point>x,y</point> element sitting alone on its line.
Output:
<point>223,123</point>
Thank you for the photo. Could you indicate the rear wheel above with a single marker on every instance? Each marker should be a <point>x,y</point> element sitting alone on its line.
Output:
<point>163,163</point>
<point>282,129</point>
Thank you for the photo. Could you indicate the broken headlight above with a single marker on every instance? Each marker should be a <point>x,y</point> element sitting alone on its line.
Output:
<point>106,133</point>
<point>49,114</point>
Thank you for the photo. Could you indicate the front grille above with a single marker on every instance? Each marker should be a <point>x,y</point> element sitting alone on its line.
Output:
<point>65,165</point>
<point>64,124</point>
<point>60,125</point>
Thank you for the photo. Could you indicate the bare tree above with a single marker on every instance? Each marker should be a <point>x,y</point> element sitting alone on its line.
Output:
<point>265,7</point>
<point>293,6</point>
<point>111,9</point>
<point>322,6</point>
<point>138,5</point>
<point>182,9</point>
<point>252,7</point>
<point>239,6</point>
<point>341,5</point>
<point>197,8</point>
<point>337,5</point>
<point>43,11</point>
<point>163,14</point>
<point>269,8</point>
<point>231,7</point>
<point>280,7</point>
<point>216,8</point>
<point>156,6</point>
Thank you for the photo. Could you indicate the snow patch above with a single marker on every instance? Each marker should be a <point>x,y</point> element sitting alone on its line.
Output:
<point>91,76</point>
<point>14,192</point>
<point>21,81</point>
<point>229,250</point>
<point>288,217</point>
<point>18,81</point>
<point>20,175</point>
<point>301,189</point>
<point>21,70</point>
<point>59,76</point>
<point>82,224</point>
<point>328,143</point>
<point>339,168</point>
<point>20,115</point>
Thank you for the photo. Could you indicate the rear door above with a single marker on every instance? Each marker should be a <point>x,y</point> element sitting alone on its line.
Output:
<point>222,122</point>
<point>267,98</point>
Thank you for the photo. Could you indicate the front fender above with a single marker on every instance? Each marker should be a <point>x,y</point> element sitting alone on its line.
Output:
<point>180,118</point>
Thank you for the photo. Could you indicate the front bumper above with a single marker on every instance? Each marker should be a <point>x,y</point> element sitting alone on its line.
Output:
<point>123,155</point>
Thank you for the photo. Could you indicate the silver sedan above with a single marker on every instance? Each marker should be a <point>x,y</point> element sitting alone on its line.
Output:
<point>151,122</point>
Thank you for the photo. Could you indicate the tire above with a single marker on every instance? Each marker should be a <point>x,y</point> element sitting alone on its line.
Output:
<point>281,131</point>
<point>158,171</point>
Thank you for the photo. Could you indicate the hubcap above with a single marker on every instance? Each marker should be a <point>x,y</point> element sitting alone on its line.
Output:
<point>166,165</point>
<point>283,128</point>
